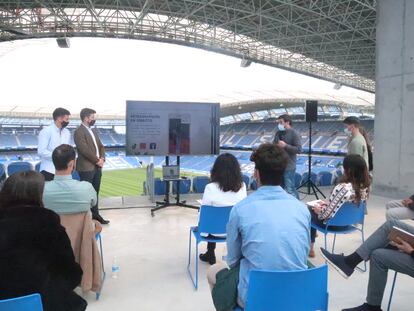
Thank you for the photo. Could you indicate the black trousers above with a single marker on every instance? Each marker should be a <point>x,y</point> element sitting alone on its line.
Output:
<point>48,176</point>
<point>94,177</point>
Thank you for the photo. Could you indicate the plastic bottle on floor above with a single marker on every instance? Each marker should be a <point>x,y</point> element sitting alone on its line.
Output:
<point>115,268</point>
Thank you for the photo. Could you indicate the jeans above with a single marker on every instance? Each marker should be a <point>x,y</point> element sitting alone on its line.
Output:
<point>383,259</point>
<point>397,211</point>
<point>289,183</point>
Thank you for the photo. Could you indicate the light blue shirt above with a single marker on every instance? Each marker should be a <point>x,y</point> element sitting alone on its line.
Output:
<point>268,230</point>
<point>51,137</point>
<point>65,195</point>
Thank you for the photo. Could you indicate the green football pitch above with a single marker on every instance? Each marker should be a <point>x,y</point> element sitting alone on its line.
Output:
<point>128,182</point>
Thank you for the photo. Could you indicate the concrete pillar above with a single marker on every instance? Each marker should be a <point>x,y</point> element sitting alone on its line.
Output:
<point>394,109</point>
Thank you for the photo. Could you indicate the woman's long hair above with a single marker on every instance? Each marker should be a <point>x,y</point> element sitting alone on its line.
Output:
<point>227,173</point>
<point>23,188</point>
<point>356,173</point>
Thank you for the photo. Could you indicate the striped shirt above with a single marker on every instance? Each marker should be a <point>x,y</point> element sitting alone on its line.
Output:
<point>341,194</point>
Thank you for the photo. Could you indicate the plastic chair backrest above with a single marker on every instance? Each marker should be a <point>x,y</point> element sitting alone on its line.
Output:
<point>200,183</point>
<point>75,175</point>
<point>348,214</point>
<point>214,219</point>
<point>16,167</point>
<point>298,179</point>
<point>325,178</point>
<point>246,180</point>
<point>185,186</point>
<point>25,303</point>
<point>37,167</point>
<point>303,290</point>
<point>2,171</point>
<point>160,187</point>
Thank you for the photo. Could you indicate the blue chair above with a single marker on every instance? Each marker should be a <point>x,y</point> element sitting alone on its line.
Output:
<point>160,187</point>
<point>25,303</point>
<point>200,183</point>
<point>253,184</point>
<point>246,180</point>
<point>16,167</point>
<point>213,220</point>
<point>314,177</point>
<point>37,167</point>
<point>326,178</point>
<point>75,175</point>
<point>99,239</point>
<point>392,291</point>
<point>2,172</point>
<point>185,186</point>
<point>348,216</point>
<point>298,179</point>
<point>301,290</point>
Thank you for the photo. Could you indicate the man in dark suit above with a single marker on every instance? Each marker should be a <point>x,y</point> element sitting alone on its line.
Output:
<point>91,156</point>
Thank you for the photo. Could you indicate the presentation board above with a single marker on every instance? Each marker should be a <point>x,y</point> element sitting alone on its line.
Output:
<point>172,128</point>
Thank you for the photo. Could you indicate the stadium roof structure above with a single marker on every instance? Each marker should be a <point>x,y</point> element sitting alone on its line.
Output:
<point>329,39</point>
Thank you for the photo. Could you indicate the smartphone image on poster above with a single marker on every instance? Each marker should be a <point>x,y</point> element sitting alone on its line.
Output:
<point>179,134</point>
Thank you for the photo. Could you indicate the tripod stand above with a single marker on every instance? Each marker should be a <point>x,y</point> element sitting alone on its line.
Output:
<point>166,202</point>
<point>311,188</point>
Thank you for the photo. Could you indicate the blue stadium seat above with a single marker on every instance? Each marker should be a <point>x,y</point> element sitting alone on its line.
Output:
<point>16,167</point>
<point>326,178</point>
<point>37,167</point>
<point>200,183</point>
<point>246,180</point>
<point>160,187</point>
<point>2,173</point>
<point>185,186</point>
<point>298,179</point>
<point>253,184</point>
<point>314,177</point>
<point>75,175</point>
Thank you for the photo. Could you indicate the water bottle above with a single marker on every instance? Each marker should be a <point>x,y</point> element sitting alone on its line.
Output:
<point>115,268</point>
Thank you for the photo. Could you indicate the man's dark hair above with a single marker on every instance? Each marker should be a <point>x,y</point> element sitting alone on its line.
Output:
<point>60,112</point>
<point>23,188</point>
<point>86,112</point>
<point>227,173</point>
<point>62,155</point>
<point>271,161</point>
<point>287,118</point>
<point>352,120</point>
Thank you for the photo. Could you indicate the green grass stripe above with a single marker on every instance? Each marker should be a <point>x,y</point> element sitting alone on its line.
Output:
<point>128,182</point>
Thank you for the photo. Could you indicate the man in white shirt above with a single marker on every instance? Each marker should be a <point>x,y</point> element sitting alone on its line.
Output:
<point>91,156</point>
<point>51,137</point>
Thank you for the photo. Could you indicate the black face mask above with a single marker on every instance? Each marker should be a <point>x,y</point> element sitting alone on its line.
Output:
<point>64,124</point>
<point>92,122</point>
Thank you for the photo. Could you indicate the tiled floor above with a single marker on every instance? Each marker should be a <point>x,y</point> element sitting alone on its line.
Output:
<point>152,254</point>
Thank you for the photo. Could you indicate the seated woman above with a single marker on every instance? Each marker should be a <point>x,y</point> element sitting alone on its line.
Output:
<point>35,252</point>
<point>353,187</point>
<point>226,189</point>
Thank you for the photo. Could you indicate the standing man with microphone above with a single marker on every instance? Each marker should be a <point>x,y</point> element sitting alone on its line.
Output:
<point>289,139</point>
<point>51,137</point>
<point>91,156</point>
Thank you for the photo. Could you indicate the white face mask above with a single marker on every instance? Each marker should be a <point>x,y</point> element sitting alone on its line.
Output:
<point>281,127</point>
<point>347,132</point>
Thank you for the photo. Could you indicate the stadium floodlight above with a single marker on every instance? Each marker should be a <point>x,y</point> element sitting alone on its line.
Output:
<point>63,42</point>
<point>337,86</point>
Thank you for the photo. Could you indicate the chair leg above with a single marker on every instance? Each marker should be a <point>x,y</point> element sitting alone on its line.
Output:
<point>98,294</point>
<point>333,245</point>
<point>392,291</point>
<point>196,261</point>
<point>189,250</point>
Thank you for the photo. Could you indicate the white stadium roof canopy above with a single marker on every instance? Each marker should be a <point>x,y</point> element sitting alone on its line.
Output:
<point>37,77</point>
